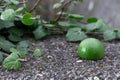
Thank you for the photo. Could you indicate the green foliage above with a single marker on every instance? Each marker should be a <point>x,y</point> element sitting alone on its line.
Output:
<point>67,24</point>
<point>22,47</point>
<point>75,34</point>
<point>98,26</point>
<point>91,20</point>
<point>111,34</point>
<point>1,56</point>
<point>4,24</point>
<point>15,2</point>
<point>5,44</point>
<point>12,62</point>
<point>37,52</point>
<point>15,34</point>
<point>40,32</point>
<point>15,22</point>
<point>27,19</point>
<point>75,17</point>
<point>57,5</point>
<point>8,15</point>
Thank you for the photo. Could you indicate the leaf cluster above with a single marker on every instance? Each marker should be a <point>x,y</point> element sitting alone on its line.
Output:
<point>15,22</point>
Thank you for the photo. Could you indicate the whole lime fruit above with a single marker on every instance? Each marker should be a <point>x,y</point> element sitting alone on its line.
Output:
<point>91,49</point>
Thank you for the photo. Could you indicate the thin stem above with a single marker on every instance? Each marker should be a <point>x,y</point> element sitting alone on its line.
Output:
<point>24,3</point>
<point>5,54</point>
<point>35,6</point>
<point>62,10</point>
<point>22,60</point>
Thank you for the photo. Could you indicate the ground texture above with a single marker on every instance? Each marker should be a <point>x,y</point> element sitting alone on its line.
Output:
<point>60,62</point>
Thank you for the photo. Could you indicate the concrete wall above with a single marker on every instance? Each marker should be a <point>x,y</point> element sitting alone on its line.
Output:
<point>108,10</point>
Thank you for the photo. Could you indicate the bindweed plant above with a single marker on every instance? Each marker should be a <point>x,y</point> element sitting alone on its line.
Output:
<point>16,21</point>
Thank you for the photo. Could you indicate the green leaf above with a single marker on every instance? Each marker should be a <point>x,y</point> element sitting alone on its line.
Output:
<point>11,6</point>
<point>20,10</point>
<point>117,31</point>
<point>99,26</point>
<point>37,52</point>
<point>22,47</point>
<point>17,31</point>
<point>7,1</point>
<point>102,26</point>
<point>12,62</point>
<point>57,5</point>
<point>8,15</point>
<point>91,27</point>
<point>75,34</point>
<point>2,38</point>
<point>92,20</point>
<point>1,56</point>
<point>63,13</point>
<point>109,35</point>
<point>13,50</point>
<point>4,24</point>
<point>15,34</point>
<point>6,45</point>
<point>27,19</point>
<point>21,55</point>
<point>1,10</point>
<point>80,0</point>
<point>75,17</point>
<point>15,38</point>
<point>67,24</point>
<point>49,25</point>
<point>61,1</point>
<point>40,32</point>
<point>16,2</point>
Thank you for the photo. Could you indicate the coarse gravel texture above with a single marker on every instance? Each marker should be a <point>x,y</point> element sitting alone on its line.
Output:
<point>61,62</point>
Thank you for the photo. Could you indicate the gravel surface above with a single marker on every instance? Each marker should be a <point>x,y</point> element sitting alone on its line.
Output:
<point>60,62</point>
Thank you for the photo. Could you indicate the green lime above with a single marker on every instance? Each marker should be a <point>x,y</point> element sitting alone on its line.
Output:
<point>91,49</point>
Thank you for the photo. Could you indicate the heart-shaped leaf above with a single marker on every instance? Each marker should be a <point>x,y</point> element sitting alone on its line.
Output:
<point>27,19</point>
<point>12,62</point>
<point>8,15</point>
<point>37,52</point>
<point>4,24</point>
<point>75,17</point>
<point>40,32</point>
<point>75,34</point>
<point>109,35</point>
<point>92,20</point>
<point>22,47</point>
<point>6,45</point>
<point>57,5</point>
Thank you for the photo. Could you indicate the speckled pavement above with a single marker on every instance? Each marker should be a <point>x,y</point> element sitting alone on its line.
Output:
<point>61,62</point>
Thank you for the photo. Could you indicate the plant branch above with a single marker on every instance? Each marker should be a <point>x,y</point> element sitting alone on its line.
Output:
<point>62,10</point>
<point>35,6</point>
<point>24,3</point>
<point>22,60</point>
<point>5,54</point>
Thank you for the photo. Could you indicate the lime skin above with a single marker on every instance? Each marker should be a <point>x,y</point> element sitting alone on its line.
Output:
<point>91,49</point>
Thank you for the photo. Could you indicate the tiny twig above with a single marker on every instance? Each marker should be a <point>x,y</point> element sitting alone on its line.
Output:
<point>22,59</point>
<point>5,54</point>
<point>24,3</point>
<point>35,6</point>
<point>62,9</point>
